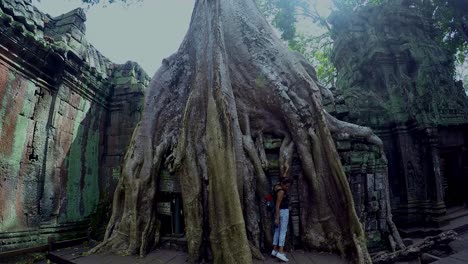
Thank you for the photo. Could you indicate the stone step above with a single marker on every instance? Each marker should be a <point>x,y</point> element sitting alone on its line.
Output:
<point>455,209</point>
<point>463,229</point>
<point>459,225</point>
<point>461,257</point>
<point>419,232</point>
<point>456,220</point>
<point>451,215</point>
<point>173,243</point>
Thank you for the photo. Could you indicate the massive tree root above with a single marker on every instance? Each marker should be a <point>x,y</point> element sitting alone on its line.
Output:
<point>206,112</point>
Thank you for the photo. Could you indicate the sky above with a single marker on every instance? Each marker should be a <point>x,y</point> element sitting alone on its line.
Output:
<point>145,32</point>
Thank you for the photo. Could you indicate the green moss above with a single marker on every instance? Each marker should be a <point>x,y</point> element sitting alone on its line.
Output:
<point>269,143</point>
<point>3,103</point>
<point>91,188</point>
<point>273,164</point>
<point>74,167</point>
<point>343,145</point>
<point>83,161</point>
<point>260,81</point>
<point>357,158</point>
<point>26,258</point>
<point>30,35</point>
<point>74,163</point>
<point>15,158</point>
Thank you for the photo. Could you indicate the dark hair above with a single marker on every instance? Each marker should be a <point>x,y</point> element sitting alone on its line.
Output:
<point>285,180</point>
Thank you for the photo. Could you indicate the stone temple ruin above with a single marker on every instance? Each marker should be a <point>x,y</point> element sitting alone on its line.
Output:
<point>67,114</point>
<point>403,89</point>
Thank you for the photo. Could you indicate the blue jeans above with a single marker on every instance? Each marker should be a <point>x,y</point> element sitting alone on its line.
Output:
<point>282,228</point>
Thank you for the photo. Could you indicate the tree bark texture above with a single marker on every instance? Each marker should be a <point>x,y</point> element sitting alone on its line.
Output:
<point>209,105</point>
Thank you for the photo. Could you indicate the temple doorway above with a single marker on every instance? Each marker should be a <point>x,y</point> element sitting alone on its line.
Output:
<point>169,207</point>
<point>453,176</point>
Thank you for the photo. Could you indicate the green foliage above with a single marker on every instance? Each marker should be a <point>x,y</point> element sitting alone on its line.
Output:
<point>282,15</point>
<point>450,17</point>
<point>462,53</point>
<point>317,46</point>
<point>326,71</point>
<point>351,4</point>
<point>285,18</point>
<point>317,50</point>
<point>465,84</point>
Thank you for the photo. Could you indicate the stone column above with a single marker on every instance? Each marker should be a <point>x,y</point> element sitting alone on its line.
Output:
<point>465,171</point>
<point>433,147</point>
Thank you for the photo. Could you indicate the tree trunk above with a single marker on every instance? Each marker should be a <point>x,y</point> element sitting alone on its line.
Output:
<point>231,82</point>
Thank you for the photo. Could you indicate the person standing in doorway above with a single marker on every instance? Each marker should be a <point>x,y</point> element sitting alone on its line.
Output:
<point>281,214</point>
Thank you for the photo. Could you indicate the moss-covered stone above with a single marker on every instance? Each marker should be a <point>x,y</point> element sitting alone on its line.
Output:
<point>395,77</point>
<point>65,123</point>
<point>392,70</point>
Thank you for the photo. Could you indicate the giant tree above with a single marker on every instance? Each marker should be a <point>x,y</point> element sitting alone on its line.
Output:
<point>206,111</point>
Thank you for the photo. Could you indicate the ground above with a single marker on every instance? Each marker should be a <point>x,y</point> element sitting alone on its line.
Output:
<point>74,254</point>
<point>461,247</point>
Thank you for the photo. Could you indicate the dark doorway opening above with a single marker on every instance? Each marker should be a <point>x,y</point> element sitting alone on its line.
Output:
<point>453,177</point>
<point>169,207</point>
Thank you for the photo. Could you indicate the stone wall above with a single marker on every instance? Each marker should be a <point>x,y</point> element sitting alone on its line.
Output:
<point>394,76</point>
<point>367,172</point>
<point>65,109</point>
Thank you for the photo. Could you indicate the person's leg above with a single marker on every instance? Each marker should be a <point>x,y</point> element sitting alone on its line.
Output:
<point>275,230</point>
<point>276,240</point>
<point>284,219</point>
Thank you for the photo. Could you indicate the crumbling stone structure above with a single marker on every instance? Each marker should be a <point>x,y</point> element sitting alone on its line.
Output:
<point>394,77</point>
<point>367,171</point>
<point>67,114</point>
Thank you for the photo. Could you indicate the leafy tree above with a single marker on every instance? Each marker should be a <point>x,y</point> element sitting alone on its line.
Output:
<point>317,50</point>
<point>352,4</point>
<point>462,72</point>
<point>449,16</point>
<point>465,83</point>
<point>316,47</point>
<point>283,16</point>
